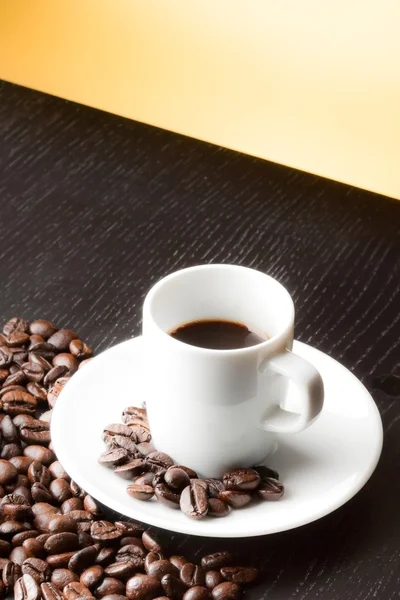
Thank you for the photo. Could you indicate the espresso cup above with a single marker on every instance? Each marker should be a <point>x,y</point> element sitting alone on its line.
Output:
<point>213,410</point>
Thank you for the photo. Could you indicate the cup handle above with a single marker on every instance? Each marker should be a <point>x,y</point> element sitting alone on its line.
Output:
<point>310,386</point>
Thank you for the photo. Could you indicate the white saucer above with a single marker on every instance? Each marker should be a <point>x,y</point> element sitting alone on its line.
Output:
<point>322,467</point>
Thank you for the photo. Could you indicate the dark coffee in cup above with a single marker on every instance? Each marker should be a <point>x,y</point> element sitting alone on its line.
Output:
<point>217,335</point>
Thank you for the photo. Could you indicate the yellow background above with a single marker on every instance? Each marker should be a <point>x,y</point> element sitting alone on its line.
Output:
<point>307,83</point>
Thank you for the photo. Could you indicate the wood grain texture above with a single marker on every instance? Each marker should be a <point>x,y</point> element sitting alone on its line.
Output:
<point>94,209</point>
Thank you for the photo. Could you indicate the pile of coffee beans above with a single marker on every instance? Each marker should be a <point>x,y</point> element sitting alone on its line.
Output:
<point>154,474</point>
<point>55,541</point>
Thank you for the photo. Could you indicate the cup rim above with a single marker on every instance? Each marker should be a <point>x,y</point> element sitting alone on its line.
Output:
<point>271,341</point>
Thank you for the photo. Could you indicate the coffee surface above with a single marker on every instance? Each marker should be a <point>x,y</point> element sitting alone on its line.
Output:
<point>217,334</point>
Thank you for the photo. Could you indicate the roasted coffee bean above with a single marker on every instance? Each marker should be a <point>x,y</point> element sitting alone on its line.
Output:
<point>42,521</point>
<point>109,585</point>
<point>65,359</point>
<point>131,469</point>
<point>57,471</point>
<point>43,328</point>
<point>37,392</point>
<point>176,478</point>
<point>37,568</point>
<point>39,360</point>
<point>142,587</point>
<point>40,493</point>
<point>212,579</point>
<point>215,487</point>
<point>105,556</point>
<point>92,506</point>
<point>76,490</point>
<point>121,441</point>
<point>194,500</point>
<point>41,454</point>
<point>55,373</point>
<point>17,403</point>
<point>17,377</point>
<point>55,390</point>
<point>158,460</point>
<point>264,472</point>
<point>11,450</point>
<point>140,433</point>
<point>75,590</point>
<point>71,505</point>
<point>62,523</point>
<point>37,472</point>
<point>134,412</point>
<point>35,339</point>
<point>104,531</point>
<point>61,339</point>
<point>83,519</point>
<point>133,553</point>
<point>217,560</point>
<point>19,538</point>
<point>10,528</point>
<point>114,458</point>
<point>118,429</point>
<point>16,339</point>
<point>173,586</point>
<point>82,559</point>
<point>92,577</point>
<point>80,350</point>
<point>6,356</point>
<point>43,507</point>
<point>62,577</point>
<point>18,555</point>
<point>59,543</point>
<point>15,507</point>
<point>178,561</point>
<point>121,570</point>
<point>26,588</point>
<point>4,373</point>
<point>270,489</point>
<point>140,492</point>
<point>59,561</point>
<point>197,592</point>
<point>8,472</point>
<point>235,499</point>
<point>191,574</point>
<point>9,430</point>
<point>11,388</point>
<point>36,432</point>
<point>239,575</point>
<point>241,479</point>
<point>21,463</point>
<point>145,448</point>
<point>85,539</point>
<point>50,592</point>
<point>60,490</point>
<point>43,537</point>
<point>166,495</point>
<point>11,573</point>
<point>226,591</point>
<point>34,548</point>
<point>130,528</point>
<point>145,479</point>
<point>5,548</point>
<point>151,557</point>
<point>162,567</point>
<point>217,508</point>
<point>46,416</point>
<point>33,371</point>
<point>151,542</point>
<point>15,324</point>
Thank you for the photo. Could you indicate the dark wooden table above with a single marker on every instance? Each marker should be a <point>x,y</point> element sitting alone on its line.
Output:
<point>94,209</point>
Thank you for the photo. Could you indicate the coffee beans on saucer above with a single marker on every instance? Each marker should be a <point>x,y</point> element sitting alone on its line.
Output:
<point>56,543</point>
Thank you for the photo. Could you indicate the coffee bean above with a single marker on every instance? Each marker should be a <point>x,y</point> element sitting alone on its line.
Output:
<point>9,431</point>
<point>104,531</point>
<point>176,478</point>
<point>43,328</point>
<point>240,575</point>
<point>142,587</point>
<point>35,339</point>
<point>83,519</point>
<point>5,548</point>
<point>145,448</point>
<point>37,391</point>
<point>241,479</point>
<point>151,542</point>
<point>19,538</point>
<point>34,548</point>
<point>37,568</point>
<point>130,528</point>
<point>178,561</point>
<point>71,504</point>
<point>109,585</point>
<point>37,472</point>
<point>80,350</point>
<point>10,528</point>
<point>59,561</point>
<point>62,577</point>
<point>145,479</point>
<point>92,506</point>
<point>121,570</point>
<point>6,356</point>
<point>60,490</point>
<point>212,579</point>
<point>173,587</point>
<point>162,567</point>
<point>191,574</point>
<point>15,507</point>
<point>54,374</point>
<point>66,360</point>
<point>4,374</point>
<point>166,495</point>
<point>133,552</point>
<point>226,591</point>
<point>235,499</point>
<point>39,360</point>
<point>270,489</point>
<point>42,507</point>
<point>7,472</point>
<point>11,450</point>
<point>105,556</point>
<point>131,469</point>
<point>17,403</point>
<point>217,508</point>
<point>62,523</point>
<point>16,377</point>
<point>26,588</point>
<point>82,559</point>
<point>197,593</point>
<point>217,560</point>
<point>264,472</point>
<point>35,432</point>
<point>59,543</point>
<point>11,573</point>
<point>150,558</point>
<point>75,590</point>
<point>92,577</point>
<point>140,492</point>
<point>61,339</point>
<point>55,390</point>
<point>194,500</point>
<point>33,371</point>
<point>18,555</point>
<point>133,412</point>
<point>21,463</point>
<point>40,493</point>
<point>158,460</point>
<point>17,338</point>
<point>15,324</point>
<point>50,592</point>
<point>40,453</point>
<point>113,458</point>
<point>57,471</point>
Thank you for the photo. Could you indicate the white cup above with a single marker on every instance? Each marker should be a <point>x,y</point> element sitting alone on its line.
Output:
<point>213,410</point>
